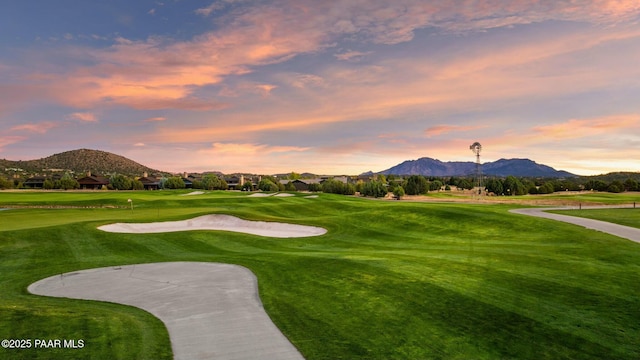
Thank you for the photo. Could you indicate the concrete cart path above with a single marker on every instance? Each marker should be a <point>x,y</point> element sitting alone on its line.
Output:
<point>211,310</point>
<point>626,232</point>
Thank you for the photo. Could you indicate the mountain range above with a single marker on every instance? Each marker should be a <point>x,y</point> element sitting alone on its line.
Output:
<point>102,162</point>
<point>504,167</point>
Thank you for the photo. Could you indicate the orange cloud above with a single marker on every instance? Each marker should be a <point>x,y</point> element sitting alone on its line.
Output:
<point>575,128</point>
<point>161,73</point>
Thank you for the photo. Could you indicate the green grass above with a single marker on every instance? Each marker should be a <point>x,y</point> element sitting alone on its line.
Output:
<point>627,216</point>
<point>390,279</point>
<point>586,197</point>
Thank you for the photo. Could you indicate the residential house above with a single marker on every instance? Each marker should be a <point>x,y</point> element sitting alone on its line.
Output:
<point>93,182</point>
<point>149,182</point>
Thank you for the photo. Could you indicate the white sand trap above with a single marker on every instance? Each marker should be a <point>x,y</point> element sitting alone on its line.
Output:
<point>311,197</point>
<point>211,310</point>
<point>283,195</point>
<point>219,222</point>
<point>193,193</point>
<point>259,195</point>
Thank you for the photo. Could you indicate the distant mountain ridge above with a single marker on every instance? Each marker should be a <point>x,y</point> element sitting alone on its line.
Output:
<point>82,161</point>
<point>504,167</point>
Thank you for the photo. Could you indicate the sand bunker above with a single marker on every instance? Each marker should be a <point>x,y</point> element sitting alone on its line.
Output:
<point>219,222</point>
<point>283,195</point>
<point>259,195</point>
<point>193,193</point>
<point>211,310</point>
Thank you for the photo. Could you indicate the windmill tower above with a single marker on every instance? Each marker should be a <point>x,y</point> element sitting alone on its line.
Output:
<point>476,148</point>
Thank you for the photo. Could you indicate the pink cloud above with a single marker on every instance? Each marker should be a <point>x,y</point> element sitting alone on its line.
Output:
<point>159,73</point>
<point>265,89</point>
<point>239,149</point>
<point>84,116</point>
<point>8,140</point>
<point>40,128</point>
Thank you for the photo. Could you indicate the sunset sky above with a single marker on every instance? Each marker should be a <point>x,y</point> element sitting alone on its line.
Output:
<point>329,87</point>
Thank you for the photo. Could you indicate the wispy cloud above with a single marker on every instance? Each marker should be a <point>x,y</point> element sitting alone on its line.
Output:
<point>10,139</point>
<point>351,55</point>
<point>207,10</point>
<point>40,128</point>
<point>581,128</point>
<point>251,149</point>
<point>84,116</point>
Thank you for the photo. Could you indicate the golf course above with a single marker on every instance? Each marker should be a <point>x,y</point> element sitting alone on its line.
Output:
<point>388,279</point>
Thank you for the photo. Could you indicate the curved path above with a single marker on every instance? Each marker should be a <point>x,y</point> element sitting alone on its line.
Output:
<point>622,231</point>
<point>211,310</point>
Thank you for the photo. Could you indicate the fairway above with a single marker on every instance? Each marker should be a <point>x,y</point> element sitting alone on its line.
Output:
<point>627,217</point>
<point>389,279</point>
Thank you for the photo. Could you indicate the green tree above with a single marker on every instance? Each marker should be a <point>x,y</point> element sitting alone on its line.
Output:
<point>597,185</point>
<point>616,187</point>
<point>315,187</point>
<point>5,183</point>
<point>267,185</point>
<point>137,185</point>
<point>514,186</point>
<point>435,185</point>
<point>464,184</point>
<point>290,186</point>
<point>494,186</point>
<point>416,185</point>
<point>334,186</point>
<point>213,182</point>
<point>68,183</point>
<point>546,188</point>
<point>247,186</point>
<point>398,192</point>
<point>374,188</point>
<point>120,182</point>
<point>174,182</point>
<point>631,185</point>
<point>49,184</point>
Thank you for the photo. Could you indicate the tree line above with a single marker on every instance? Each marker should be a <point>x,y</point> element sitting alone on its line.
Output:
<point>380,186</point>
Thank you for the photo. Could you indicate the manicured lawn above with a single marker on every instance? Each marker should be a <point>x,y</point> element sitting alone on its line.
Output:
<point>628,217</point>
<point>390,280</point>
<point>589,197</point>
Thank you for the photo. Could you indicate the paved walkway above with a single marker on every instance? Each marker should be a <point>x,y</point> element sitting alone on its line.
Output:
<point>211,310</point>
<point>622,231</point>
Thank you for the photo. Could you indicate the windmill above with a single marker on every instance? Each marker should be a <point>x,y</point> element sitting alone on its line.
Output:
<point>476,148</point>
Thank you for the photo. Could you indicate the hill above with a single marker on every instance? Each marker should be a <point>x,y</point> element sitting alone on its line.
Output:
<point>503,167</point>
<point>81,161</point>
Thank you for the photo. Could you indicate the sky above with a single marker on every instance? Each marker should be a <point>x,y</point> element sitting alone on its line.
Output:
<point>328,87</point>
